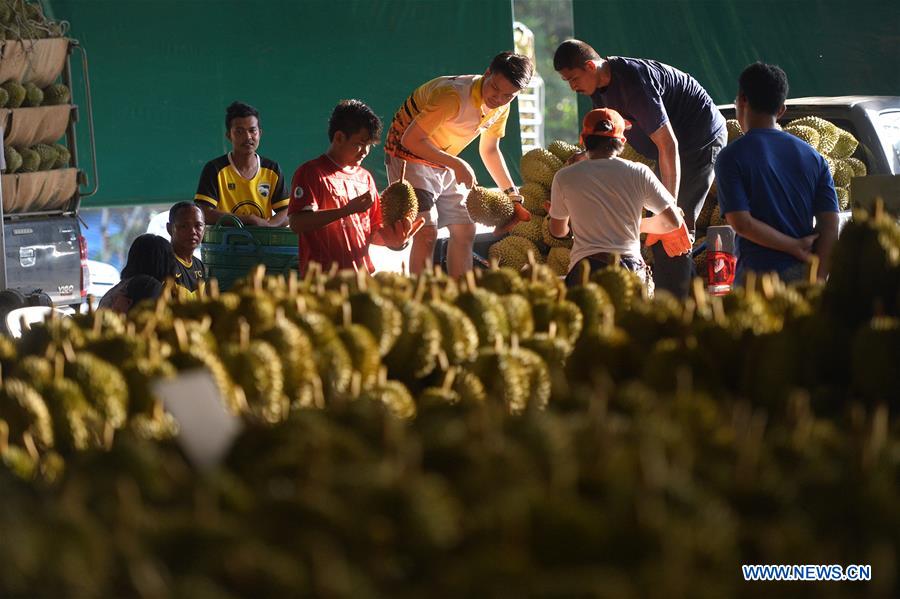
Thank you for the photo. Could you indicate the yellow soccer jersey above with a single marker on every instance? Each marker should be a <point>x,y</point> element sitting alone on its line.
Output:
<point>448,109</point>
<point>225,189</point>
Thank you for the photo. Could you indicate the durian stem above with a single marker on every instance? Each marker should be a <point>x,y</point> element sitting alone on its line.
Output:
<point>59,365</point>
<point>68,350</point>
<point>347,313</point>
<point>181,334</point>
<point>4,436</point>
<point>244,327</point>
<point>813,269</point>
<point>403,172</point>
<point>30,447</point>
<point>449,379</point>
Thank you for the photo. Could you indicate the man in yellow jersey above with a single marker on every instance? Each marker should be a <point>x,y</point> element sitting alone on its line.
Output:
<point>185,229</point>
<point>429,131</point>
<point>242,182</point>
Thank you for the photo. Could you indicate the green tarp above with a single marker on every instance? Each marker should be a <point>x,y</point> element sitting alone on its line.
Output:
<point>162,73</point>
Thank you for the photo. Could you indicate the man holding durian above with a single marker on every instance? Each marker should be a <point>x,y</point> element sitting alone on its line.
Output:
<point>430,129</point>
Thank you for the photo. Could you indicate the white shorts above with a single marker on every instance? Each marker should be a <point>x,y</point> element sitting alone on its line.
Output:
<point>437,191</point>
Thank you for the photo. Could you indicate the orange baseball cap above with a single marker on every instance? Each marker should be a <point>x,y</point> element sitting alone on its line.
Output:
<point>597,116</point>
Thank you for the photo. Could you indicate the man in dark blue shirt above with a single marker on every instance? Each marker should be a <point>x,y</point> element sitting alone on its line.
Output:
<point>771,185</point>
<point>674,121</point>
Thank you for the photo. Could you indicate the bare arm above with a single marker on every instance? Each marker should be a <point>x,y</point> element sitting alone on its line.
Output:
<point>311,220</point>
<point>559,227</point>
<point>416,140</point>
<point>489,148</point>
<point>665,222</point>
<point>212,216</point>
<point>279,219</point>
<point>669,164</point>
<point>762,234</point>
<point>827,228</point>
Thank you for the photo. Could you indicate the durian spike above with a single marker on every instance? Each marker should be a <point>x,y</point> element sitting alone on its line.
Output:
<point>30,447</point>
<point>214,289</point>
<point>813,269</point>
<point>767,283</point>
<point>259,273</point>
<point>449,378</point>
<point>347,313</point>
<point>181,335</point>
<point>700,294</point>
<point>244,333</point>
<point>59,366</point>
<point>4,436</point>
<point>68,350</point>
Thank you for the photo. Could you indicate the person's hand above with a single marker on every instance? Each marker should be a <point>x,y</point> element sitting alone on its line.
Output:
<point>360,203</point>
<point>254,221</point>
<point>675,243</point>
<point>395,236</point>
<point>520,214</point>
<point>463,173</point>
<point>577,157</point>
<point>803,249</point>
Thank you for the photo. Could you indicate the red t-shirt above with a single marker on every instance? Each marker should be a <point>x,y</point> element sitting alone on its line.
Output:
<point>320,184</point>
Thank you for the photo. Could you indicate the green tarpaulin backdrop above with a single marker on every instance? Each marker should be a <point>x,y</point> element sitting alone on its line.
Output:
<point>162,73</point>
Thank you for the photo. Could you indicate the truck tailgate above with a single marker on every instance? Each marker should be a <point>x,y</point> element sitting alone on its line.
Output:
<point>44,254</point>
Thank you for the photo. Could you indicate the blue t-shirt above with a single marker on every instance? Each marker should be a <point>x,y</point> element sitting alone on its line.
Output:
<point>650,94</point>
<point>781,181</point>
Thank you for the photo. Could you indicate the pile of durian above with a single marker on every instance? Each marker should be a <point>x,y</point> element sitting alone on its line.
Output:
<point>497,435</point>
<point>17,95</point>
<point>39,157</point>
<point>25,20</point>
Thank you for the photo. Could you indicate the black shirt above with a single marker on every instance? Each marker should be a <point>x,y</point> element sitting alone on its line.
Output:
<point>190,277</point>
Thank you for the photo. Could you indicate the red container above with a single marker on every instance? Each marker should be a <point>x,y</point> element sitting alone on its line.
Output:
<point>720,270</point>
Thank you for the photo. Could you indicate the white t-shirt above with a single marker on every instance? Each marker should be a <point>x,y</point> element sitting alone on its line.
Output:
<point>604,200</point>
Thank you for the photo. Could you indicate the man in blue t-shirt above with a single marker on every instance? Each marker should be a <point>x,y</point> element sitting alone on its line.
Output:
<point>771,185</point>
<point>674,121</point>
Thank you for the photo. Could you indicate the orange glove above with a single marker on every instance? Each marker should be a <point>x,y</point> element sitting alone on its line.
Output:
<point>676,243</point>
<point>520,214</point>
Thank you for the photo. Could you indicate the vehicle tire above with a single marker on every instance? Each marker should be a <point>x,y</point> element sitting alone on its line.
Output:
<point>10,299</point>
<point>39,298</point>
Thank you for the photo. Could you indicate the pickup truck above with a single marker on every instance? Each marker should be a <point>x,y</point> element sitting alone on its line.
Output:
<point>43,255</point>
<point>873,120</point>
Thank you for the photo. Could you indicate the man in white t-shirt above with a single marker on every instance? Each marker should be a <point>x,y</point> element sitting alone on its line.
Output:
<point>604,196</point>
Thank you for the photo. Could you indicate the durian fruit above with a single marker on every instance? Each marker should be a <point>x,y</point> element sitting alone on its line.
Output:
<point>31,161</point>
<point>512,251</point>
<point>147,417</point>
<point>629,153</point>
<point>843,172</point>
<point>530,230</point>
<point>302,384</point>
<point>395,396</point>
<point>622,286</point>
<point>832,165</point>
<point>76,425</point>
<point>539,166</point>
<point>845,145</point>
<point>333,363</point>
<point>56,94</point>
<point>828,132</point>
<point>48,156</point>
<point>363,352</point>
<point>379,315</point>
<point>501,280</point>
<point>16,93</point>
<point>415,354</point>
<point>537,375</point>
<point>459,337</point>
<point>469,387</point>
<point>554,351</point>
<point>562,316</point>
<point>485,311</point>
<point>399,201</point>
<point>858,166</point>
<point>14,458</point>
<point>549,240</point>
<point>13,159</point>
<point>102,385</point>
<point>33,95</point>
<point>62,156</point>
<point>558,260</point>
<point>562,150</point>
<point>503,377</point>
<point>806,133</point>
<point>734,129</point>
<point>534,197</point>
<point>843,196</point>
<point>518,315</point>
<point>489,206</point>
<point>597,310</point>
<point>25,412</point>
<point>257,369</point>
<point>4,97</point>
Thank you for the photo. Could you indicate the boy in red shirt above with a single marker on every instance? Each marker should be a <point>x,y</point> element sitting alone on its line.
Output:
<point>335,208</point>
